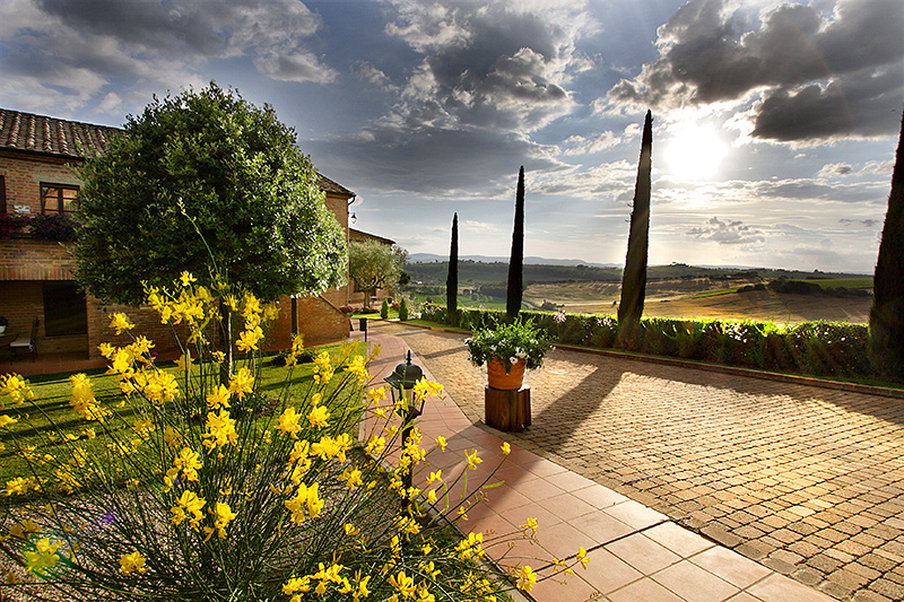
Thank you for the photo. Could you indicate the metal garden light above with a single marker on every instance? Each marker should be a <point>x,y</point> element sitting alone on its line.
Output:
<point>402,381</point>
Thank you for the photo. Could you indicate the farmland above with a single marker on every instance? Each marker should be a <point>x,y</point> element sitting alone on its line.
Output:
<point>676,290</point>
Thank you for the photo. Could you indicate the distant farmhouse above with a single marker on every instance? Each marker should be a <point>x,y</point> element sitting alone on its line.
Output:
<point>36,279</point>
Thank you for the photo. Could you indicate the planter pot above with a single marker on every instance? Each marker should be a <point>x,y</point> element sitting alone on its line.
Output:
<point>498,379</point>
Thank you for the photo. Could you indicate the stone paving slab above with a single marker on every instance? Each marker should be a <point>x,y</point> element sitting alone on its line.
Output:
<point>635,552</point>
<point>807,481</point>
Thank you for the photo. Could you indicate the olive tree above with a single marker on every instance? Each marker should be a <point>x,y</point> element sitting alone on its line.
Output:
<point>373,265</point>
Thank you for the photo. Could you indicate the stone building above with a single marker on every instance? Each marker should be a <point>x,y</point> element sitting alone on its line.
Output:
<point>36,280</point>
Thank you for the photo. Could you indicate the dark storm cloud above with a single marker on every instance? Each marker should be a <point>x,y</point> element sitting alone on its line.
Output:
<point>707,56</point>
<point>726,233</point>
<point>865,103</point>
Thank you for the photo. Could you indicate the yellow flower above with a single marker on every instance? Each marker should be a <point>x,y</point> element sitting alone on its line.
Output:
<point>220,430</point>
<point>375,445</point>
<point>318,416</point>
<point>424,388</point>
<point>376,395</point>
<point>329,447</point>
<point>473,460</point>
<point>305,500</point>
<point>249,338</point>
<point>352,478</point>
<point>24,530</point>
<point>83,400</point>
<point>242,383</point>
<point>44,556</point>
<point>120,323</point>
<point>441,442</point>
<point>289,422</point>
<point>16,387</point>
<point>358,368</point>
<point>184,361</point>
<point>186,278</point>
<point>435,476</point>
<point>351,530</point>
<point>223,514</point>
<point>323,369</point>
<point>5,421</point>
<point>526,578</point>
<point>506,448</point>
<point>582,556</point>
<point>18,486</point>
<point>531,524</point>
<point>403,583</point>
<point>133,562</point>
<point>188,461</point>
<point>188,502</point>
<point>219,398</point>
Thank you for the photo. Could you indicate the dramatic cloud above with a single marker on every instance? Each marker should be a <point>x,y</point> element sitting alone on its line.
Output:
<point>821,76</point>
<point>85,48</point>
<point>506,65</point>
<point>726,233</point>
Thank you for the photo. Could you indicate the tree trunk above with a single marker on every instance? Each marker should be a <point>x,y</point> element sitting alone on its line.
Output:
<point>452,278</point>
<point>634,278</point>
<point>515,275</point>
<point>886,316</point>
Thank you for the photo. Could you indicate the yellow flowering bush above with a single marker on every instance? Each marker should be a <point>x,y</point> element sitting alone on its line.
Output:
<point>174,493</point>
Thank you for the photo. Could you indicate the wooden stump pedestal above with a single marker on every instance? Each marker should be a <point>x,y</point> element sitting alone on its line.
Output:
<point>507,410</point>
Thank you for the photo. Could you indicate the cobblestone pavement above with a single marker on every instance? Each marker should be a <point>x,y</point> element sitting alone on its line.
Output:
<point>807,481</point>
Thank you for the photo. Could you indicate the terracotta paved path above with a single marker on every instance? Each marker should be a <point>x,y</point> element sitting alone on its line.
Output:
<point>807,481</point>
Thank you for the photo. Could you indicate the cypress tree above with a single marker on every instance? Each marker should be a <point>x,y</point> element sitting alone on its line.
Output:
<point>634,278</point>
<point>515,276</point>
<point>886,316</point>
<point>452,278</point>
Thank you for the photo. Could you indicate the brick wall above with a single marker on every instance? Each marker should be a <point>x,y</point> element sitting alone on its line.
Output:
<point>24,174</point>
<point>29,259</point>
<point>23,301</point>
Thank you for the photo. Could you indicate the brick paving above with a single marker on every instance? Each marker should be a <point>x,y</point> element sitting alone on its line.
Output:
<point>807,481</point>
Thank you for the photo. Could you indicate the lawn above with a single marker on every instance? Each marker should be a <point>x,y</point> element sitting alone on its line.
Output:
<point>53,411</point>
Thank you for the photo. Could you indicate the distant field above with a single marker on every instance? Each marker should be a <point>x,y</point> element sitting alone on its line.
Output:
<point>707,299</point>
<point>865,282</point>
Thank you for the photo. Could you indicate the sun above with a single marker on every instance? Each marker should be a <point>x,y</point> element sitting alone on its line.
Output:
<point>694,151</point>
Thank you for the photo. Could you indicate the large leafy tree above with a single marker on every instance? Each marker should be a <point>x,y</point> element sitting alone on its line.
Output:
<point>515,290</point>
<point>634,278</point>
<point>373,265</point>
<point>886,317</point>
<point>452,276</point>
<point>205,177</point>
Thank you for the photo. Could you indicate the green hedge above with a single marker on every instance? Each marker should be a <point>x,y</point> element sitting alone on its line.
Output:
<point>818,348</point>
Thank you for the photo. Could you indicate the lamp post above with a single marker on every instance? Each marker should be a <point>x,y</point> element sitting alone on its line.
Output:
<point>402,381</point>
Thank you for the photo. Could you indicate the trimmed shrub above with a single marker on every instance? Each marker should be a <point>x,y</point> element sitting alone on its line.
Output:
<point>403,309</point>
<point>384,309</point>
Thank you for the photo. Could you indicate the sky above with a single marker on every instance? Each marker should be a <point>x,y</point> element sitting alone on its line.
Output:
<point>775,123</point>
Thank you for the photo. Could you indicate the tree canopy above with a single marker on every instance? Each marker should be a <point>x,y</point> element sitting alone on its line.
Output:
<point>373,265</point>
<point>205,177</point>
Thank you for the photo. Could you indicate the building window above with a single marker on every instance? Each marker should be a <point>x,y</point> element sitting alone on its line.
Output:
<point>58,198</point>
<point>65,310</point>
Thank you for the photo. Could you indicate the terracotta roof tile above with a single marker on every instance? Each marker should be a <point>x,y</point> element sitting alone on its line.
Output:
<point>49,135</point>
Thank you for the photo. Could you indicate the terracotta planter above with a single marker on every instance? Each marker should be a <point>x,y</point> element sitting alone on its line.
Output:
<point>498,379</point>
